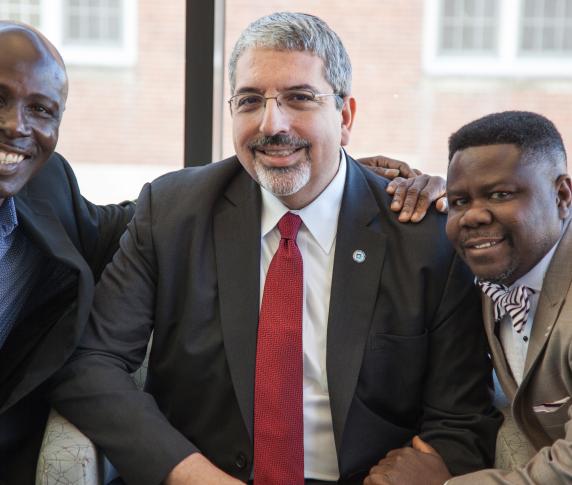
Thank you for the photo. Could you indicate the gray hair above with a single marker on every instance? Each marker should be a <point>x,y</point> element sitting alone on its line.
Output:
<point>288,31</point>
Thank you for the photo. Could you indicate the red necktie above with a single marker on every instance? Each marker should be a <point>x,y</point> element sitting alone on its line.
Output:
<point>278,418</point>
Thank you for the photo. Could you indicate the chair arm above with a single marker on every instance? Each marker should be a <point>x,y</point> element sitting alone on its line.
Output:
<point>67,457</point>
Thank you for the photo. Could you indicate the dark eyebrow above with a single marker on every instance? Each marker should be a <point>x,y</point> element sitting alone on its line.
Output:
<point>451,192</point>
<point>496,186</point>
<point>34,97</point>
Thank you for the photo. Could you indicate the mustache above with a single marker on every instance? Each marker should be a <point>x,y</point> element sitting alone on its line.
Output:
<point>465,236</point>
<point>278,139</point>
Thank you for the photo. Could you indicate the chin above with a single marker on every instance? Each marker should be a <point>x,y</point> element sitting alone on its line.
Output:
<point>500,276</point>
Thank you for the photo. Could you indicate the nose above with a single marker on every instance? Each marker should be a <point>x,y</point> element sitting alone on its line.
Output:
<point>13,122</point>
<point>274,120</point>
<point>475,216</point>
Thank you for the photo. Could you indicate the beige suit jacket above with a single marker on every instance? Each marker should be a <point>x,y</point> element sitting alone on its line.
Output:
<point>547,380</point>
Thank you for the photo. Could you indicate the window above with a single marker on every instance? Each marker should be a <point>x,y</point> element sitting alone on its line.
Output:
<point>93,23</point>
<point>28,12</point>
<point>123,125</point>
<point>468,26</point>
<point>546,27</point>
<point>87,32</point>
<point>498,37</point>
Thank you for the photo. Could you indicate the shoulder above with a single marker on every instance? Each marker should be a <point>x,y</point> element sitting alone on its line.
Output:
<point>56,172</point>
<point>433,225</point>
<point>194,185</point>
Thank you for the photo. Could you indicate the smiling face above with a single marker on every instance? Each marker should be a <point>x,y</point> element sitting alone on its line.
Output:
<point>33,89</point>
<point>295,155</point>
<point>504,214</point>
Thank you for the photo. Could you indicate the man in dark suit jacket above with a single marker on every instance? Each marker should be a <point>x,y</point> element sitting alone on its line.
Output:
<point>392,344</point>
<point>53,243</point>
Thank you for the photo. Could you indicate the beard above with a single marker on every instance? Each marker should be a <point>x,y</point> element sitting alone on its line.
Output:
<point>282,181</point>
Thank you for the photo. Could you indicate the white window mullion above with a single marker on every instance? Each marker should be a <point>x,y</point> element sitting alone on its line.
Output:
<point>510,13</point>
<point>52,20</point>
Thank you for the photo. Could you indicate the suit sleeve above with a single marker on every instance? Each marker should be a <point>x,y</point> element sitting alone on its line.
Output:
<point>458,417</point>
<point>95,390</point>
<point>552,464</point>
<point>99,227</point>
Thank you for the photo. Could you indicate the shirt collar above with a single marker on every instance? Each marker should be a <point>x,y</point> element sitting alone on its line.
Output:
<point>320,216</point>
<point>534,278</point>
<point>8,218</point>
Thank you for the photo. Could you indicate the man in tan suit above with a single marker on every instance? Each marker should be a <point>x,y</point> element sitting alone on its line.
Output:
<point>509,196</point>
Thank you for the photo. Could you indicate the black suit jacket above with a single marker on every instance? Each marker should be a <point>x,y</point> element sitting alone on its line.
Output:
<point>76,239</point>
<point>405,353</point>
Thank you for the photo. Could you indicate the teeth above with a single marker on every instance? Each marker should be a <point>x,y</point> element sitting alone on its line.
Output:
<point>279,153</point>
<point>485,245</point>
<point>10,158</point>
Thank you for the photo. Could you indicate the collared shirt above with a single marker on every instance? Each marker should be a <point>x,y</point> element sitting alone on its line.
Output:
<point>317,241</point>
<point>515,344</point>
<point>19,261</point>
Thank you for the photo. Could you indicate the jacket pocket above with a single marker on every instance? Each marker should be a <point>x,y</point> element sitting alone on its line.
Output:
<point>392,373</point>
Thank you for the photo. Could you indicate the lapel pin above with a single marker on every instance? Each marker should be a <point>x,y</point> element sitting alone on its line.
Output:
<point>359,256</point>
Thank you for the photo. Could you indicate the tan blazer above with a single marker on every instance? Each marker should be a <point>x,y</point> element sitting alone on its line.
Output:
<point>547,381</point>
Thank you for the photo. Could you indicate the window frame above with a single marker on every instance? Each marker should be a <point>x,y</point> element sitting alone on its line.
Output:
<point>508,61</point>
<point>52,25</point>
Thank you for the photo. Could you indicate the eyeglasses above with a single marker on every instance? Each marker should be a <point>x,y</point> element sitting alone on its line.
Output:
<point>292,100</point>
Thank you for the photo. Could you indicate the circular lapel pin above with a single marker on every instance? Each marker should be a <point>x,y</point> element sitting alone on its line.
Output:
<point>359,256</point>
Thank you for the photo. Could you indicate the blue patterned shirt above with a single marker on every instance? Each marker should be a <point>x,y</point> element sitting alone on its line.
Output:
<point>19,264</point>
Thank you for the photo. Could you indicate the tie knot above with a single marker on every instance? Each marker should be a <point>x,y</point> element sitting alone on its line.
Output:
<point>289,226</point>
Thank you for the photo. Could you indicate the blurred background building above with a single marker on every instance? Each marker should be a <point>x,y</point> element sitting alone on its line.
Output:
<point>422,68</point>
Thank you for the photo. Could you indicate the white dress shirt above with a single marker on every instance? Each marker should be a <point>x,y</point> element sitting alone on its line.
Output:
<point>317,242</point>
<point>515,345</point>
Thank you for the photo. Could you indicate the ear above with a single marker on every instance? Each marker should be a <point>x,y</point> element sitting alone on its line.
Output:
<point>348,115</point>
<point>563,195</point>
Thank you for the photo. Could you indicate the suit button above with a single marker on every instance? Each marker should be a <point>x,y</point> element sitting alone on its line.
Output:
<point>241,461</point>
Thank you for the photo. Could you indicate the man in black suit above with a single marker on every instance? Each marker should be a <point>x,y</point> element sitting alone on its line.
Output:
<point>381,327</point>
<point>53,244</point>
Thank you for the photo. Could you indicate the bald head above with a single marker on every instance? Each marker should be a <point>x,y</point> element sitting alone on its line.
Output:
<point>33,93</point>
<point>30,45</point>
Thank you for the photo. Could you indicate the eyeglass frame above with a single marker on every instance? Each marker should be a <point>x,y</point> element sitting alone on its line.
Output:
<point>278,104</point>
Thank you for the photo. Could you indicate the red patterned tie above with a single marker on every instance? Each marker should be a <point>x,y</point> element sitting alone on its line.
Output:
<point>278,419</point>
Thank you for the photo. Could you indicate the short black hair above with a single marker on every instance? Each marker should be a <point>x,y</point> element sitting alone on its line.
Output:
<point>534,134</point>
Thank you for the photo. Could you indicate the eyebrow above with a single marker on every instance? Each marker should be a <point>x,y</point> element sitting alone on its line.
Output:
<point>251,89</point>
<point>35,96</point>
<point>490,187</point>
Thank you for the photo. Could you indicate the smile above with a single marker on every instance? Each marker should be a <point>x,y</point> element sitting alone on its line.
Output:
<point>7,158</point>
<point>278,152</point>
<point>483,243</point>
<point>486,245</point>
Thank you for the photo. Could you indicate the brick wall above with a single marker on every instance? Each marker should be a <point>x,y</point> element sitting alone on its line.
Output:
<point>132,115</point>
<point>401,111</point>
<point>135,115</point>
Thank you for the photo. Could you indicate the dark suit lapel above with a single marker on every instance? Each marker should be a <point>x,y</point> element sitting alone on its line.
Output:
<point>554,291</point>
<point>354,292</point>
<point>45,231</point>
<point>237,249</point>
